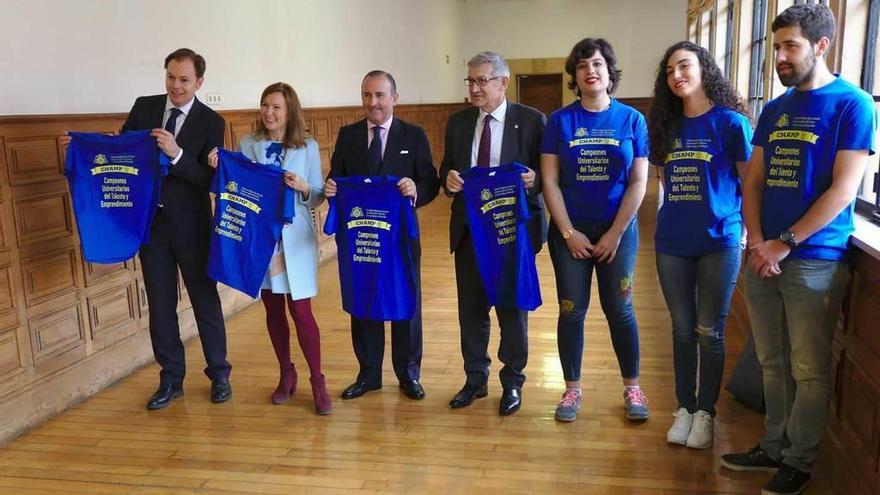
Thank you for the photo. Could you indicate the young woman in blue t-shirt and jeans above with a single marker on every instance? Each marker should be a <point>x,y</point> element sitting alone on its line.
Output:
<point>594,167</point>
<point>700,137</point>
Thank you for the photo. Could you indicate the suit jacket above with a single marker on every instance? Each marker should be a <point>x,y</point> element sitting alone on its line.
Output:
<point>523,128</point>
<point>185,188</point>
<point>298,238</point>
<point>407,154</point>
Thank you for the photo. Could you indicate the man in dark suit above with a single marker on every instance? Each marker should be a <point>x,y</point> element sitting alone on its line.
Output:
<point>492,132</point>
<point>186,130</point>
<point>384,145</point>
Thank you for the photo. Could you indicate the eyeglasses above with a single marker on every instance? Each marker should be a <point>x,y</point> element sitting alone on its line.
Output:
<point>480,81</point>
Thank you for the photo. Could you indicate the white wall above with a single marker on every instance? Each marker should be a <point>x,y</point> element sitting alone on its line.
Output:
<point>639,30</point>
<point>89,56</point>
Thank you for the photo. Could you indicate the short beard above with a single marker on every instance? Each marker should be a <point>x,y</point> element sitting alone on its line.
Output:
<point>797,77</point>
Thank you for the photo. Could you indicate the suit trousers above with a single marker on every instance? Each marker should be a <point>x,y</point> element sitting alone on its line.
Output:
<point>368,340</point>
<point>160,259</point>
<point>474,323</point>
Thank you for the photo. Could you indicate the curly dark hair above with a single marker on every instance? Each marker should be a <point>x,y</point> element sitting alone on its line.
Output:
<point>586,48</point>
<point>667,109</point>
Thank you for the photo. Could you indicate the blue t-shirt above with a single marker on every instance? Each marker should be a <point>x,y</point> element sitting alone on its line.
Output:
<point>596,152</point>
<point>702,198</point>
<point>253,203</point>
<point>801,133</point>
<point>375,229</point>
<point>497,211</point>
<point>114,182</point>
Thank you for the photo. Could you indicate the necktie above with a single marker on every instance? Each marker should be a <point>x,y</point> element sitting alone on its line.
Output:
<point>375,151</point>
<point>172,120</point>
<point>485,148</point>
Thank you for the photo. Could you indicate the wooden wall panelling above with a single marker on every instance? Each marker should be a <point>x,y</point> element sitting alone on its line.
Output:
<point>10,357</point>
<point>859,418</point>
<point>43,214</point>
<point>113,314</point>
<point>143,307</point>
<point>58,338</point>
<point>49,276</point>
<point>33,159</point>
<point>95,273</point>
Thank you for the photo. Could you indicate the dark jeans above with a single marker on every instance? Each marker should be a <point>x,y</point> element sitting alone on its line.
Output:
<point>697,292</point>
<point>615,279</point>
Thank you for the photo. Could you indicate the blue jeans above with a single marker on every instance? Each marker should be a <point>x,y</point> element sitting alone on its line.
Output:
<point>793,318</point>
<point>573,280</point>
<point>697,292</point>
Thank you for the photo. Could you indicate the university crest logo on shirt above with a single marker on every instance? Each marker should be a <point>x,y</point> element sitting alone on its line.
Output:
<point>100,159</point>
<point>782,121</point>
<point>356,212</point>
<point>232,186</point>
<point>581,132</point>
<point>485,195</point>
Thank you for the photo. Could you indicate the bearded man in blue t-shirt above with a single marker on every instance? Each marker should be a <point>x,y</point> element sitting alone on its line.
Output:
<point>811,147</point>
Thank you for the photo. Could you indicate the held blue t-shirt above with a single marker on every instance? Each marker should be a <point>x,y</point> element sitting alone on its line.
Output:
<point>497,211</point>
<point>253,203</point>
<point>801,133</point>
<point>114,182</point>
<point>596,152</point>
<point>702,197</point>
<point>375,229</point>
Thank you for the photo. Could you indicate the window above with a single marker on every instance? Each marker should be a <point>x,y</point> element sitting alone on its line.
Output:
<point>728,40</point>
<point>758,50</point>
<point>871,84</point>
<point>706,30</point>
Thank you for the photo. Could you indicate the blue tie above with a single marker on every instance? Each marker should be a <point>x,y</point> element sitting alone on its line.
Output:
<point>172,120</point>
<point>375,151</point>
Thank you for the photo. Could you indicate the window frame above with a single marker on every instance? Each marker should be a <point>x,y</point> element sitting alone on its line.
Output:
<point>868,84</point>
<point>757,70</point>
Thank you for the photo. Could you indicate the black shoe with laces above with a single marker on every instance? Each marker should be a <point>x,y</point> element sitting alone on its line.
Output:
<point>753,460</point>
<point>787,481</point>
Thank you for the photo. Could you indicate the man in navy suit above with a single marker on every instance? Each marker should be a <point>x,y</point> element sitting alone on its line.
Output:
<point>185,130</point>
<point>492,132</point>
<point>381,144</point>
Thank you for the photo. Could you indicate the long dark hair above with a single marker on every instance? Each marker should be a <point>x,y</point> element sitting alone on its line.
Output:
<point>667,109</point>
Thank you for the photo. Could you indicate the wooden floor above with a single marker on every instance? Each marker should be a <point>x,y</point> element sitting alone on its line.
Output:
<point>383,442</point>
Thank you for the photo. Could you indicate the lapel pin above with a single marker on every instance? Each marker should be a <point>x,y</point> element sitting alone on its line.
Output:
<point>516,126</point>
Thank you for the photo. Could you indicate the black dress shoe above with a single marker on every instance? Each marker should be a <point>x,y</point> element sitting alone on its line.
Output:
<point>468,394</point>
<point>221,390</point>
<point>412,389</point>
<point>164,395</point>
<point>358,389</point>
<point>510,401</point>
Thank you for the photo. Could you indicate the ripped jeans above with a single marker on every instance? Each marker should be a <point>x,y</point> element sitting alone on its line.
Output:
<point>697,292</point>
<point>615,282</point>
<point>793,317</point>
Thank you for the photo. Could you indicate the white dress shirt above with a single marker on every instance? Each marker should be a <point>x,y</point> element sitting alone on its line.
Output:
<point>496,125</point>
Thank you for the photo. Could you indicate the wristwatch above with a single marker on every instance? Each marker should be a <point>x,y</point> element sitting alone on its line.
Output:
<point>567,233</point>
<point>788,239</point>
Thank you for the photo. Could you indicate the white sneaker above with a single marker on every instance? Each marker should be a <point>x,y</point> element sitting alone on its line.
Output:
<point>681,428</point>
<point>702,431</point>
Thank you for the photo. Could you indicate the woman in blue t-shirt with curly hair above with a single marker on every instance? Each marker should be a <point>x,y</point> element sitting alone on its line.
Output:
<point>700,138</point>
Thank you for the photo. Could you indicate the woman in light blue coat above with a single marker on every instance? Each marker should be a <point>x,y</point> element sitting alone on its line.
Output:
<point>293,272</point>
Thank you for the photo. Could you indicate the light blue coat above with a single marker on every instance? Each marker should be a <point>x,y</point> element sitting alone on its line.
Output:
<point>298,238</point>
